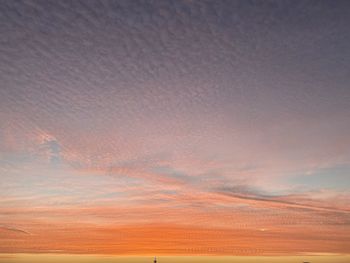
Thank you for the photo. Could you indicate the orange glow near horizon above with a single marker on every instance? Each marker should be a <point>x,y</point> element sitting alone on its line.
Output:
<point>240,236</point>
<point>58,258</point>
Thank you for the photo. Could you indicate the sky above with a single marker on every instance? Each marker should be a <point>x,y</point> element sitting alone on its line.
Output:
<point>212,128</point>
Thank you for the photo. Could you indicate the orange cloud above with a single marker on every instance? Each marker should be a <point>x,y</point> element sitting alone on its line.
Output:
<point>170,239</point>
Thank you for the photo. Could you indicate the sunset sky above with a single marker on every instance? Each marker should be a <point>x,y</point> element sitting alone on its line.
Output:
<point>208,128</point>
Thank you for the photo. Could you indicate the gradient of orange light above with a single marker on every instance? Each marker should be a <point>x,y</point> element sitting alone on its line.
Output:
<point>276,228</point>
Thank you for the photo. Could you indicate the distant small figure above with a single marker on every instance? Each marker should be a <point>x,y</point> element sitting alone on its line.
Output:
<point>155,260</point>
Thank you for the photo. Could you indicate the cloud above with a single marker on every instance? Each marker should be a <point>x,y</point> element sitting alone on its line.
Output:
<point>182,113</point>
<point>302,201</point>
<point>13,230</point>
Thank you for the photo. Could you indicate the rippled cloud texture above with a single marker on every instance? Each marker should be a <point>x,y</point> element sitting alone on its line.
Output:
<point>175,127</point>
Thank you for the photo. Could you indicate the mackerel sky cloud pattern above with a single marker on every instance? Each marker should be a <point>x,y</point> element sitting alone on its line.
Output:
<point>175,127</point>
